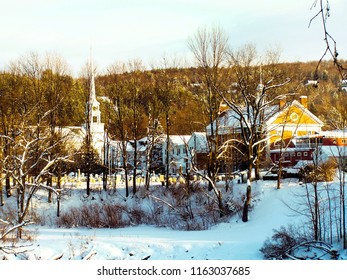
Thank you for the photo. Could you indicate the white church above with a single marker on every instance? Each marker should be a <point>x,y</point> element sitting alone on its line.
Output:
<point>76,135</point>
<point>97,128</point>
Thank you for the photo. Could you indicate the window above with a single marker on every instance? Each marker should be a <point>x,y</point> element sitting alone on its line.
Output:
<point>294,116</point>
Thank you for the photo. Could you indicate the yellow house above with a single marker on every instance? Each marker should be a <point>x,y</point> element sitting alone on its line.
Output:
<point>293,119</point>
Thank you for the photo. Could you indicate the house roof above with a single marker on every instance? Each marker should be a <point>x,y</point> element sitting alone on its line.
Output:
<point>298,105</point>
<point>179,139</point>
<point>332,151</point>
<point>198,141</point>
<point>230,120</point>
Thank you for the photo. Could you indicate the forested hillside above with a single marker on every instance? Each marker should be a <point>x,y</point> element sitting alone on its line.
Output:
<point>177,97</point>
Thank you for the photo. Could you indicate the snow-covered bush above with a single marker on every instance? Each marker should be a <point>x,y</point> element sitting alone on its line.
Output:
<point>281,241</point>
<point>178,207</point>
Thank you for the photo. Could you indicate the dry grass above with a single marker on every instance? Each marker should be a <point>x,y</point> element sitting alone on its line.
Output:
<point>176,207</point>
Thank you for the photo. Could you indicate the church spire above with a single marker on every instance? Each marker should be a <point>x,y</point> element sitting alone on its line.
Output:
<point>261,84</point>
<point>93,103</point>
<point>95,129</point>
<point>92,94</point>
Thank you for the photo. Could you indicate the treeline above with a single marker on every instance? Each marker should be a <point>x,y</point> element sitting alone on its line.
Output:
<point>33,85</point>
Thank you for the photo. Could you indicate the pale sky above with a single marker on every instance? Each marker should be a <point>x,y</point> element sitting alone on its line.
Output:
<point>149,30</point>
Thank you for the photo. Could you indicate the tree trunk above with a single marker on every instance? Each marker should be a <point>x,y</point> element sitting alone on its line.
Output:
<point>316,213</point>
<point>167,149</point>
<point>88,183</point>
<point>220,204</point>
<point>1,196</point>
<point>8,186</point>
<point>135,167</point>
<point>104,179</point>
<point>279,175</point>
<point>106,163</point>
<point>126,183</point>
<point>257,171</point>
<point>58,205</point>
<point>50,184</point>
<point>247,201</point>
<point>59,194</point>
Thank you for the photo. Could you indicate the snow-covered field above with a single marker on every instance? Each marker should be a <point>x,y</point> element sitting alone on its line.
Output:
<point>234,240</point>
<point>231,240</point>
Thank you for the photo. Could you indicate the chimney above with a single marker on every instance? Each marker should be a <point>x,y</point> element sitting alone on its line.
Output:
<point>282,102</point>
<point>223,107</point>
<point>303,101</point>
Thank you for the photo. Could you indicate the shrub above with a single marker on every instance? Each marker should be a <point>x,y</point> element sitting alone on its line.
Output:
<point>281,241</point>
<point>105,216</point>
<point>324,172</point>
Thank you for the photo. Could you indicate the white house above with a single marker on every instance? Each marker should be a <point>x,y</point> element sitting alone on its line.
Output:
<point>198,150</point>
<point>178,153</point>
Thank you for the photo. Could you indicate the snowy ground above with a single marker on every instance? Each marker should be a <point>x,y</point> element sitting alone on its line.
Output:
<point>231,244</point>
<point>231,240</point>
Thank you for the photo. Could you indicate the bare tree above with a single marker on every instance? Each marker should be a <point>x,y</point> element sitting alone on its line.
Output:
<point>116,92</point>
<point>324,12</point>
<point>29,159</point>
<point>251,103</point>
<point>209,47</point>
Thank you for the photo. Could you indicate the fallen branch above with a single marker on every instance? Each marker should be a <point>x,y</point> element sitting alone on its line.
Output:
<point>89,255</point>
<point>58,257</point>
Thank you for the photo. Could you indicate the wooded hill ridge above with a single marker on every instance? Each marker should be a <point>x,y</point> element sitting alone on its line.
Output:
<point>28,87</point>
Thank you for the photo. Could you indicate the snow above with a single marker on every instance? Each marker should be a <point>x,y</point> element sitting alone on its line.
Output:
<point>231,240</point>
<point>230,243</point>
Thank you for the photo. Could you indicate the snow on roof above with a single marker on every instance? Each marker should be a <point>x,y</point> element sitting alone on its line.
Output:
<point>302,163</point>
<point>295,149</point>
<point>198,141</point>
<point>179,139</point>
<point>230,119</point>
<point>334,151</point>
<point>334,133</point>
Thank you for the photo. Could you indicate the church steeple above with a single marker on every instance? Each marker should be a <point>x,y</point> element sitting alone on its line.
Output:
<point>94,105</point>
<point>92,94</point>
<point>261,84</point>
<point>94,127</point>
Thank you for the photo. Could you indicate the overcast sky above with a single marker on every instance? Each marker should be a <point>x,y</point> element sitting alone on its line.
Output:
<point>123,30</point>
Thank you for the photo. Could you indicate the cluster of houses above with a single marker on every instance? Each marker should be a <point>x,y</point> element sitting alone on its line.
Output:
<point>293,133</point>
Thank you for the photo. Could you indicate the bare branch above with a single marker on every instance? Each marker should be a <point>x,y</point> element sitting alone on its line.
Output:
<point>24,223</point>
<point>324,12</point>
